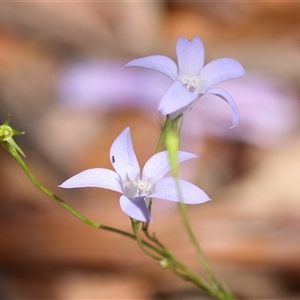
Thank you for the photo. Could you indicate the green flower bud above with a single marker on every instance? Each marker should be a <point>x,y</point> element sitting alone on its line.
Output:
<point>6,136</point>
<point>164,263</point>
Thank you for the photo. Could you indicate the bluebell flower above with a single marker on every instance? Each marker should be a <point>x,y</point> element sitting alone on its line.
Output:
<point>135,186</point>
<point>191,78</point>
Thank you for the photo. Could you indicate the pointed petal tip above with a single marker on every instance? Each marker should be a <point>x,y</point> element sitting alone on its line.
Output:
<point>227,98</point>
<point>126,129</point>
<point>129,64</point>
<point>65,185</point>
<point>166,189</point>
<point>233,124</point>
<point>159,63</point>
<point>235,118</point>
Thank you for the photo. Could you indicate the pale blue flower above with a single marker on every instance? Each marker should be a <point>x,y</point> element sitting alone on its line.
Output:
<point>135,186</point>
<point>191,78</point>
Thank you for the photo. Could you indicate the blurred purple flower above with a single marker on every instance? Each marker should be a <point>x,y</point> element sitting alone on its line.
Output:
<point>191,79</point>
<point>105,86</point>
<point>135,186</point>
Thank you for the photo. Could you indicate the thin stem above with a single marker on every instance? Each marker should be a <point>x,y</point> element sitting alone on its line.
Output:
<point>173,263</point>
<point>32,178</point>
<point>172,141</point>
<point>193,239</point>
<point>159,147</point>
<point>152,237</point>
<point>136,229</point>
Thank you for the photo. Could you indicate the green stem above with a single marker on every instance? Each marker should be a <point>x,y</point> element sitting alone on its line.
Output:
<point>136,229</point>
<point>194,241</point>
<point>32,178</point>
<point>172,141</point>
<point>168,123</point>
<point>173,264</point>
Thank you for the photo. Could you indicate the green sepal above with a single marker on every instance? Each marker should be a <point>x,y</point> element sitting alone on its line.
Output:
<point>135,226</point>
<point>6,136</point>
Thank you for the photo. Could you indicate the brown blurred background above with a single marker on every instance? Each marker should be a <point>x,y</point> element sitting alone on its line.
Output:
<point>62,83</point>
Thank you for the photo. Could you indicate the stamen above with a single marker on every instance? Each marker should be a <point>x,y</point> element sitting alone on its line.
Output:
<point>130,184</point>
<point>150,183</point>
<point>190,83</point>
<point>134,188</point>
<point>142,186</point>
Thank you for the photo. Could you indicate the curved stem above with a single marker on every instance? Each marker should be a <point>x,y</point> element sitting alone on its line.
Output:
<point>136,229</point>
<point>172,263</point>
<point>194,241</point>
<point>32,178</point>
<point>172,142</point>
<point>167,124</point>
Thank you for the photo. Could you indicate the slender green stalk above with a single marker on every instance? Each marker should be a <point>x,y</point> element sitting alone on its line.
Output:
<point>161,141</point>
<point>32,178</point>
<point>172,141</point>
<point>41,187</point>
<point>186,223</point>
<point>136,229</point>
<point>172,263</point>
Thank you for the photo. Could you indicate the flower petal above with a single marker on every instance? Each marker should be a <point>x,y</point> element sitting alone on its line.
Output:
<point>225,96</point>
<point>160,63</point>
<point>184,110</point>
<point>159,164</point>
<point>123,157</point>
<point>190,56</point>
<point>135,209</point>
<point>100,178</point>
<point>166,189</point>
<point>218,71</point>
<point>176,97</point>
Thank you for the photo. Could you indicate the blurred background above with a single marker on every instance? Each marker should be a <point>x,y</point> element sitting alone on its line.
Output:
<point>62,82</point>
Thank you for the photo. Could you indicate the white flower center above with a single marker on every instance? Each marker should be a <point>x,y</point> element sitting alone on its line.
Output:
<point>191,83</point>
<point>138,188</point>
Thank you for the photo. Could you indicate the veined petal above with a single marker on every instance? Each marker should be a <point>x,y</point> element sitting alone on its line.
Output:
<point>225,96</point>
<point>159,164</point>
<point>135,209</point>
<point>218,71</point>
<point>100,178</point>
<point>176,97</point>
<point>160,63</point>
<point>190,56</point>
<point>123,157</point>
<point>166,189</point>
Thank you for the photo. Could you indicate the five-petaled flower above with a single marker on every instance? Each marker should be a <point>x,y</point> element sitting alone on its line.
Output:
<point>135,186</point>
<point>191,79</point>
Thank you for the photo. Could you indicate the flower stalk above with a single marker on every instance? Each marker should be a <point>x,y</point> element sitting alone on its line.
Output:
<point>171,138</point>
